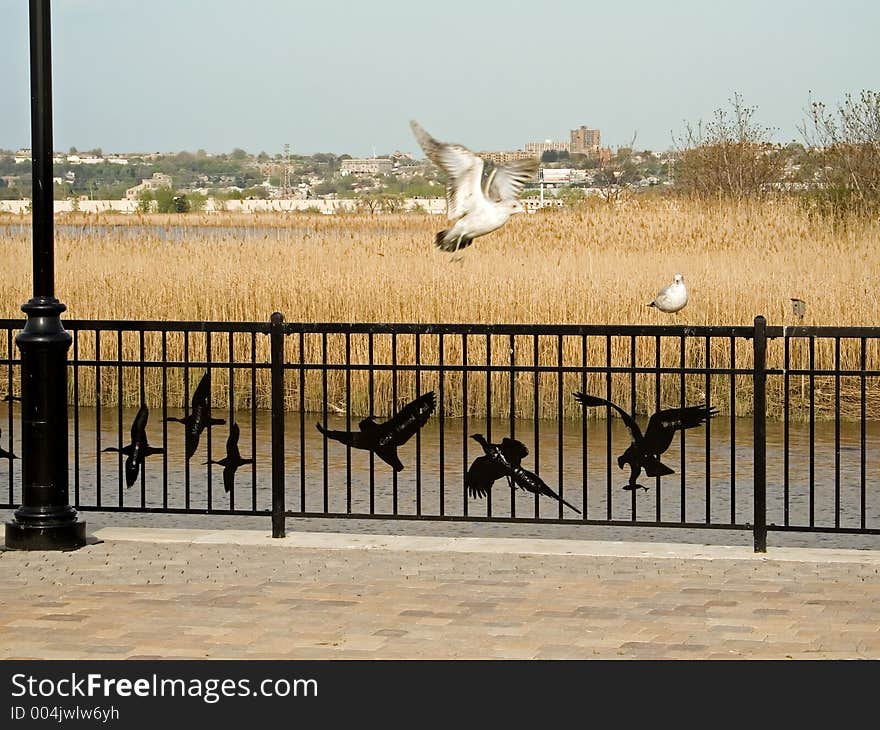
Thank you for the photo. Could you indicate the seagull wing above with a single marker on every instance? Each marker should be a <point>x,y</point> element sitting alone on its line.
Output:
<point>507,180</point>
<point>464,171</point>
<point>664,424</point>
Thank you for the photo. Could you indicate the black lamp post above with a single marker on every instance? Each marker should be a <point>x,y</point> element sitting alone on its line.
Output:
<point>45,520</point>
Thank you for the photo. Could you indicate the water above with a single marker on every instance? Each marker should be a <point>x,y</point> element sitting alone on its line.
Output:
<point>714,484</point>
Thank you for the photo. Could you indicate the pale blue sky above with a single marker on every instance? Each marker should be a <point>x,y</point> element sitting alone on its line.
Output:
<point>165,75</point>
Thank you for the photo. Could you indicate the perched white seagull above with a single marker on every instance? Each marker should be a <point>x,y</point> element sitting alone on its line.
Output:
<point>673,297</point>
<point>476,208</point>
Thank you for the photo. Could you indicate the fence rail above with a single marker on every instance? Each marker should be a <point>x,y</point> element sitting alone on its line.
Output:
<point>790,445</point>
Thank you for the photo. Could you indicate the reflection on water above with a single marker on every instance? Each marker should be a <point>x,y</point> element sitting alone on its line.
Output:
<point>712,481</point>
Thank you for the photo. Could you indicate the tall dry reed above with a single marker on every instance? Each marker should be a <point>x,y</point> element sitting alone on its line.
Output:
<point>595,264</point>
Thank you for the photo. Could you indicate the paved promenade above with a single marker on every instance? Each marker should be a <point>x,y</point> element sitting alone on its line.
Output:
<point>146,593</point>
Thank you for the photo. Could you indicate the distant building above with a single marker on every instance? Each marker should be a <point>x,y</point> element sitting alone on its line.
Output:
<point>22,156</point>
<point>548,145</point>
<point>499,158</point>
<point>159,180</point>
<point>366,166</point>
<point>585,141</point>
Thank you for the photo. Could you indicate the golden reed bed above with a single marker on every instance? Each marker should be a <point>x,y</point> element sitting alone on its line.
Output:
<point>592,264</point>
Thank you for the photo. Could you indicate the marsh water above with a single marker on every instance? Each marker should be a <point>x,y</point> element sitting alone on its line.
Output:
<point>713,477</point>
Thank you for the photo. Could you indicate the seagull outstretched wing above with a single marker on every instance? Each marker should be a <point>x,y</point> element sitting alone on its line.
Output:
<point>464,171</point>
<point>663,425</point>
<point>506,181</point>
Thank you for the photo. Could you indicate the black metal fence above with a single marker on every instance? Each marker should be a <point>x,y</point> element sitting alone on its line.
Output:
<point>792,447</point>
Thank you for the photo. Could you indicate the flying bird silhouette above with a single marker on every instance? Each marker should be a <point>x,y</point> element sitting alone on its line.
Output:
<point>139,449</point>
<point>383,439</point>
<point>645,450</point>
<point>503,460</point>
<point>477,207</point>
<point>4,454</point>
<point>199,417</point>
<point>671,298</point>
<point>232,460</point>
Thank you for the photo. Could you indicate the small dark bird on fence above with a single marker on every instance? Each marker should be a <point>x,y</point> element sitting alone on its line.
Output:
<point>9,398</point>
<point>232,460</point>
<point>4,454</point>
<point>645,450</point>
<point>799,307</point>
<point>383,439</point>
<point>139,449</point>
<point>503,460</point>
<point>199,417</point>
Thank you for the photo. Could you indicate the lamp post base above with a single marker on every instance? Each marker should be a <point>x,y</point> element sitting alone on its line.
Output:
<point>35,529</point>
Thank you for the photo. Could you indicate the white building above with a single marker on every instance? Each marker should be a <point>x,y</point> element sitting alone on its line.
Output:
<point>548,145</point>
<point>366,166</point>
<point>159,180</point>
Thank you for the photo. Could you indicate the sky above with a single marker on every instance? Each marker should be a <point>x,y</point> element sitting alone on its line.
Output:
<point>168,75</point>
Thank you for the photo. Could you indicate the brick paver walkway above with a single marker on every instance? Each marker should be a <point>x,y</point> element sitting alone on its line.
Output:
<point>186,593</point>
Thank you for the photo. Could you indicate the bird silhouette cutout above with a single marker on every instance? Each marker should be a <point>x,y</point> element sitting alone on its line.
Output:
<point>645,450</point>
<point>139,449</point>
<point>199,417</point>
<point>4,454</point>
<point>504,460</point>
<point>383,439</point>
<point>671,298</point>
<point>232,460</point>
<point>478,207</point>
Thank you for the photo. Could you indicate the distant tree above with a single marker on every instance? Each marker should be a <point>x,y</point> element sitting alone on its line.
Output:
<point>145,201</point>
<point>550,156</point>
<point>238,154</point>
<point>72,151</point>
<point>731,155</point>
<point>847,148</point>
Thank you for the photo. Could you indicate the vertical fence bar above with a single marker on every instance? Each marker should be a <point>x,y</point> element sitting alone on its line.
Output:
<point>512,344</point>
<point>658,486</point>
<point>862,363</point>
<point>632,411</point>
<point>608,509</point>
<point>441,376</point>
<point>75,418</point>
<point>325,498</point>
<point>164,419</point>
<point>585,450</point>
<point>254,421</point>
<point>732,430</point>
<point>231,375</point>
<point>786,466</point>
<point>394,487</point>
<point>759,420</point>
<point>708,452</point>
<point>142,399</point>
<point>560,435</point>
<point>418,386</point>
<point>302,421</point>
<point>347,421</point>
<point>186,411</point>
<point>812,365</point>
<point>682,386</point>
<point>837,431</point>
<point>98,418</point>
<point>536,411</point>
<point>209,369</point>
<point>277,358</point>
<point>489,409</point>
<point>10,432</point>
<point>464,421</point>
<point>370,384</point>
<point>119,427</point>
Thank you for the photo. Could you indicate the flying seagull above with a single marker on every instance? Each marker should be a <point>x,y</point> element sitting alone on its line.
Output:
<point>232,460</point>
<point>645,450</point>
<point>4,454</point>
<point>199,417</point>
<point>673,297</point>
<point>138,450</point>
<point>383,439</point>
<point>476,207</point>
<point>504,461</point>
